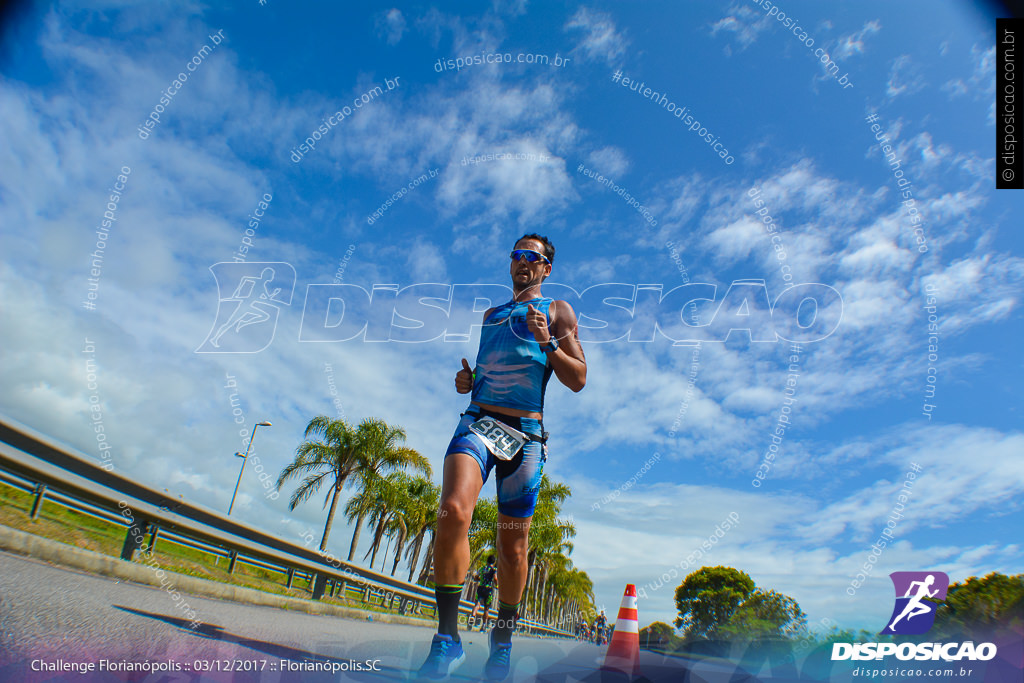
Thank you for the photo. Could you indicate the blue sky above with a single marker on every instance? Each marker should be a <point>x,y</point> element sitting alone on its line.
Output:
<point>79,79</point>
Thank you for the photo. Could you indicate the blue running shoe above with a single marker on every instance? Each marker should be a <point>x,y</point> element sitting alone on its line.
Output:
<point>496,668</point>
<point>446,654</point>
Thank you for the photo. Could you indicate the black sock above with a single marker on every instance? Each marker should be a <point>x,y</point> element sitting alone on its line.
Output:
<point>447,596</point>
<point>506,623</point>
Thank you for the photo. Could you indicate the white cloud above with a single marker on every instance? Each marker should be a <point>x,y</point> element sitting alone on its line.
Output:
<point>611,162</point>
<point>744,23</point>
<point>735,241</point>
<point>853,44</point>
<point>981,82</point>
<point>391,26</point>
<point>601,40</point>
<point>905,78</point>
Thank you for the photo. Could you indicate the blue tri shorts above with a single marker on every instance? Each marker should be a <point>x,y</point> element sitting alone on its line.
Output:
<point>518,479</point>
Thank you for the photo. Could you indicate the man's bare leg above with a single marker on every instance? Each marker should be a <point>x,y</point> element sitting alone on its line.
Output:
<point>459,492</point>
<point>487,618</point>
<point>513,547</point>
<point>472,618</point>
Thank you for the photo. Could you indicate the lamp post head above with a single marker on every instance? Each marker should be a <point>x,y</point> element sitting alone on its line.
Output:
<point>265,423</point>
<point>239,454</point>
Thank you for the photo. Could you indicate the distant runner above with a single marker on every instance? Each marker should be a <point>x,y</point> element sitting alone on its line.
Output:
<point>600,624</point>
<point>484,592</point>
<point>522,343</point>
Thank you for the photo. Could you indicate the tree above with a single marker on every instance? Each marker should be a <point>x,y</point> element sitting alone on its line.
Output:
<point>360,505</point>
<point>658,635</point>
<point>336,452</point>
<point>766,614</point>
<point>483,530</point>
<point>425,497</point>
<point>328,459</point>
<point>981,605</point>
<point>383,452</point>
<point>573,593</point>
<point>708,598</point>
<point>548,536</point>
<point>390,499</point>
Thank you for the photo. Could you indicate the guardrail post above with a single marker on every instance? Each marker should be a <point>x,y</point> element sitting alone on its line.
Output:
<point>341,588</point>
<point>291,577</point>
<point>402,602</point>
<point>133,539</point>
<point>37,504</point>
<point>319,585</point>
<point>154,531</point>
<point>233,562</point>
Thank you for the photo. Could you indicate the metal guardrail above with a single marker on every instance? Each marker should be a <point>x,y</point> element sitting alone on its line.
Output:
<point>54,471</point>
<point>70,503</point>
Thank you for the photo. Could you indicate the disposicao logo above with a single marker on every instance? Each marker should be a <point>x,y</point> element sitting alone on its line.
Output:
<point>258,291</point>
<point>914,614</point>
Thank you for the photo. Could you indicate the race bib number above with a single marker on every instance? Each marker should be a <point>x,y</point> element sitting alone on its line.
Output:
<point>501,440</point>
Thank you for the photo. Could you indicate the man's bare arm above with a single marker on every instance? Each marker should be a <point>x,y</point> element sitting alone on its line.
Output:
<point>567,361</point>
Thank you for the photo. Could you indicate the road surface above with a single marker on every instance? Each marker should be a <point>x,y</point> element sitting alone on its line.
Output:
<point>56,621</point>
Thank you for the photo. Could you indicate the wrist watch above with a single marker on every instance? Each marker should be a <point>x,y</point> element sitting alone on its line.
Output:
<point>552,345</point>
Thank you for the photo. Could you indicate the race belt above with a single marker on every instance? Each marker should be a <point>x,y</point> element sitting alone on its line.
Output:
<point>502,440</point>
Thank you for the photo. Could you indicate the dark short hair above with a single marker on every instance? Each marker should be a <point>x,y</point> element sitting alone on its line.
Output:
<point>490,559</point>
<point>549,249</point>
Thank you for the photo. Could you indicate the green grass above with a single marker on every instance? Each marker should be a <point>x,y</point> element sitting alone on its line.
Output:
<point>84,531</point>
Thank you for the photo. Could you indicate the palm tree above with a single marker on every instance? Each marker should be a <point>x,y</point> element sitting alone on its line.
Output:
<point>420,512</point>
<point>548,536</point>
<point>384,453</point>
<point>329,458</point>
<point>386,514</point>
<point>338,451</point>
<point>360,505</point>
<point>556,568</point>
<point>483,529</point>
<point>574,594</point>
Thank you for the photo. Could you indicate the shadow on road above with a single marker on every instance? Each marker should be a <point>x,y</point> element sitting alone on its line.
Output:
<point>284,652</point>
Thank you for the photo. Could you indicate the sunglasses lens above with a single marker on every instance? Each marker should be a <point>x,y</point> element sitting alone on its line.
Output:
<point>530,256</point>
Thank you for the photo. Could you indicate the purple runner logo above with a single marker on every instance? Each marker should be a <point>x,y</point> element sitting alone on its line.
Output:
<point>912,614</point>
<point>246,320</point>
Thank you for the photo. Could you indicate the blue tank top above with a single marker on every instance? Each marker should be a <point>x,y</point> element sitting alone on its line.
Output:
<point>511,370</point>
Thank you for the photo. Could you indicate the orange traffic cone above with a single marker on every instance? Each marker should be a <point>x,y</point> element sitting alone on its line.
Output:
<point>624,649</point>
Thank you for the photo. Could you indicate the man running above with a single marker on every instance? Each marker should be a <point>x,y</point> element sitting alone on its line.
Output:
<point>484,592</point>
<point>600,624</point>
<point>522,343</point>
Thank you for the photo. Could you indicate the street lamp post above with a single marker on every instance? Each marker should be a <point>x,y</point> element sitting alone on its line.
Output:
<point>245,458</point>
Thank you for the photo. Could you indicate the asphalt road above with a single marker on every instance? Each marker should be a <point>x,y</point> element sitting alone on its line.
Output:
<point>52,616</point>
